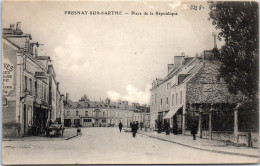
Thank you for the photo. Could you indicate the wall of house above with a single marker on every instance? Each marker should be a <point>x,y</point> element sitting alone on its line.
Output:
<point>154,107</point>
<point>9,91</point>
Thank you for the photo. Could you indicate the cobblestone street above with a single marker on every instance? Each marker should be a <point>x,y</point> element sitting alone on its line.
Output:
<point>108,145</point>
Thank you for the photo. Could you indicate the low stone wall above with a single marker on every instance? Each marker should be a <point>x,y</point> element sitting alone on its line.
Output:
<point>228,136</point>
<point>224,136</point>
<point>255,139</point>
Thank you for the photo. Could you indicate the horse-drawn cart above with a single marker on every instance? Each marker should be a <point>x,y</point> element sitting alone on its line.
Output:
<point>55,130</point>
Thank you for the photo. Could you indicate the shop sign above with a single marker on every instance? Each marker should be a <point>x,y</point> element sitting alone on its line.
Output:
<point>8,76</point>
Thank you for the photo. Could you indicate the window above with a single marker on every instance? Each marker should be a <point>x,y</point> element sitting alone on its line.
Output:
<point>68,113</point>
<point>167,100</point>
<point>87,120</point>
<point>25,83</point>
<point>168,86</point>
<point>161,101</point>
<point>86,113</point>
<point>30,82</point>
<point>36,92</point>
<point>176,98</point>
<point>103,114</point>
<point>77,113</point>
<point>155,99</point>
<point>30,116</point>
<point>172,99</point>
<point>181,97</point>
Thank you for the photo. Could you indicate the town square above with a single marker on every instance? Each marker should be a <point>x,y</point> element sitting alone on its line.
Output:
<point>130,82</point>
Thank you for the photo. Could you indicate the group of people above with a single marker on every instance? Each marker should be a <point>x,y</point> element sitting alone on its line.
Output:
<point>134,127</point>
<point>166,126</point>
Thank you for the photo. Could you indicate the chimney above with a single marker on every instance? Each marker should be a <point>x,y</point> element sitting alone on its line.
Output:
<point>34,46</point>
<point>178,60</point>
<point>58,85</point>
<point>170,67</point>
<point>18,26</point>
<point>18,30</point>
<point>67,96</point>
<point>12,26</point>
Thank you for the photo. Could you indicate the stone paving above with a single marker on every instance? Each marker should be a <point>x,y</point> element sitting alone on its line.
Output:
<point>204,144</point>
<point>68,133</point>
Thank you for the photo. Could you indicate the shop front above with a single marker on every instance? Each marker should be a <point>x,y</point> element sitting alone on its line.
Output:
<point>41,117</point>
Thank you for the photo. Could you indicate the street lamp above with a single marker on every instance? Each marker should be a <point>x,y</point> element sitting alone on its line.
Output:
<point>26,93</point>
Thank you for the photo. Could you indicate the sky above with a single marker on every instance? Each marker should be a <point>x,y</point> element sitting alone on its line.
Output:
<point>117,56</point>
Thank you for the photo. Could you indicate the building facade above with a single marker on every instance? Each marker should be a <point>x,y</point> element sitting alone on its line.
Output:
<point>197,95</point>
<point>88,113</point>
<point>25,89</point>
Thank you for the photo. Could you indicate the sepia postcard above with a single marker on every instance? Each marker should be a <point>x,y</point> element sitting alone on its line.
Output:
<point>130,82</point>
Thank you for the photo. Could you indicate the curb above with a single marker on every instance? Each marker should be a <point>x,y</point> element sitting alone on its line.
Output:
<point>70,137</point>
<point>215,151</point>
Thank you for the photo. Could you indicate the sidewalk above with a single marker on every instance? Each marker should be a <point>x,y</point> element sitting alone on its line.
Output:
<point>68,133</point>
<point>204,144</point>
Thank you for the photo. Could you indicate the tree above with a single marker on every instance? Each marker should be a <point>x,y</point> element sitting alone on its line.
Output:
<point>238,25</point>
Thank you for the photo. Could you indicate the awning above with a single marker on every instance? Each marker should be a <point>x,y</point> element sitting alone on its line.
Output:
<point>171,113</point>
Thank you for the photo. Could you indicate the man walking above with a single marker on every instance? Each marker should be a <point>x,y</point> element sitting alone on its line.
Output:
<point>131,126</point>
<point>134,129</point>
<point>120,126</point>
<point>194,129</point>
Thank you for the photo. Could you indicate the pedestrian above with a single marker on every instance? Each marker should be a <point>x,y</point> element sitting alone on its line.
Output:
<point>78,130</point>
<point>131,126</point>
<point>167,128</point>
<point>175,129</point>
<point>120,126</point>
<point>134,129</point>
<point>194,129</point>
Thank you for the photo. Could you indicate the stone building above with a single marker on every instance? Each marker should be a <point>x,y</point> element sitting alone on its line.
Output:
<point>161,97</point>
<point>56,99</point>
<point>102,113</point>
<point>197,95</point>
<point>25,91</point>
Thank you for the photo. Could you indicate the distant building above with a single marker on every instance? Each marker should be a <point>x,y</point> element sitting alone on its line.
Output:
<point>101,113</point>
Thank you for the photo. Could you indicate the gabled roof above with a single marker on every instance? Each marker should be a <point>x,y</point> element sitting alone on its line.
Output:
<point>189,61</point>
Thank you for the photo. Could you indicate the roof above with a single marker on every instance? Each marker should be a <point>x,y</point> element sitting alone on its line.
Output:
<point>207,88</point>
